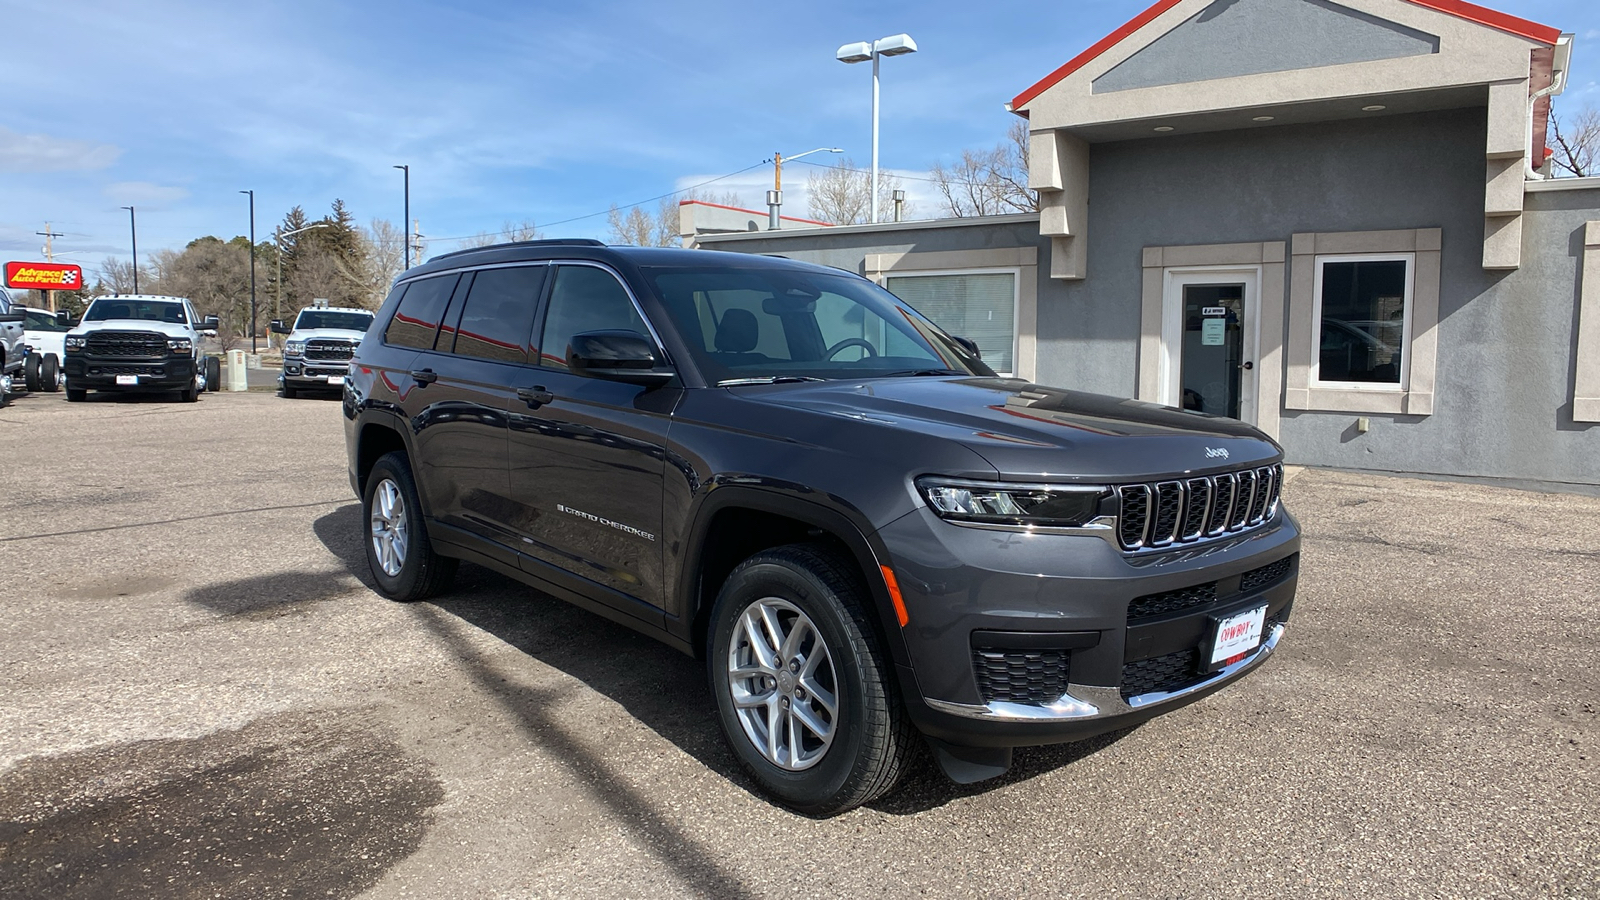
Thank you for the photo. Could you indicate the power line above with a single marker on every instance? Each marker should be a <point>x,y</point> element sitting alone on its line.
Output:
<point>805,162</point>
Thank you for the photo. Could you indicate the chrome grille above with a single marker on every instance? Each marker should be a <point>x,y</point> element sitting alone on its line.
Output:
<point>126,345</point>
<point>1170,513</point>
<point>324,349</point>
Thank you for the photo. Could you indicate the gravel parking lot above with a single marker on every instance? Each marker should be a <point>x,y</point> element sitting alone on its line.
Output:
<point>202,698</point>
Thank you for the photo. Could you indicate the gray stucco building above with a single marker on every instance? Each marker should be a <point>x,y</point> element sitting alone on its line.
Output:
<point>1337,230</point>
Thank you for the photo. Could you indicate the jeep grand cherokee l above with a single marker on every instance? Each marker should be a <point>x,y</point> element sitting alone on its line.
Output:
<point>788,471</point>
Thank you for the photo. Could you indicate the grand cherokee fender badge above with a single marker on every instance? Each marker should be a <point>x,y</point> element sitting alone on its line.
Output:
<point>606,522</point>
<point>1216,453</point>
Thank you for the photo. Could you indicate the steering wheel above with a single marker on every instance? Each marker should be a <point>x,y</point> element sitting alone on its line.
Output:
<point>851,342</point>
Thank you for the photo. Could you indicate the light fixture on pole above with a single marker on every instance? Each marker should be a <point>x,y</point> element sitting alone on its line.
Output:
<point>405,224</point>
<point>894,45</point>
<point>277,299</point>
<point>775,196</point>
<point>252,194</point>
<point>133,229</point>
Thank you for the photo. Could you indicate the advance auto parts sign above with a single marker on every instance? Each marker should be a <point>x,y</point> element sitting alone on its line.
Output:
<point>43,276</point>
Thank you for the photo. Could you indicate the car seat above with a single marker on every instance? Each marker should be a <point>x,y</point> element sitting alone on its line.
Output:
<point>737,336</point>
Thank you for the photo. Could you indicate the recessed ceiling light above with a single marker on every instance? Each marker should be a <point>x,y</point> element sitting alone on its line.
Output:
<point>1163,128</point>
<point>1376,107</point>
<point>1263,118</point>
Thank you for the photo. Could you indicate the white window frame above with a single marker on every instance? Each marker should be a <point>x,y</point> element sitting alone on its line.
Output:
<point>1016,296</point>
<point>1404,385</point>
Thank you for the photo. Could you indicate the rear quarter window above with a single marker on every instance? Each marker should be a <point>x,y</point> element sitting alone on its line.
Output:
<point>416,321</point>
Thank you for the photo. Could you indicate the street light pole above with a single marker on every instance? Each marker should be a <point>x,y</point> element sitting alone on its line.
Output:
<point>133,228</point>
<point>252,194</point>
<point>894,45</point>
<point>775,196</point>
<point>405,224</point>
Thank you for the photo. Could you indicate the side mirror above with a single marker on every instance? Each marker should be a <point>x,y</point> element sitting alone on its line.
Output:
<point>209,323</point>
<point>65,318</point>
<point>277,327</point>
<point>971,345</point>
<point>13,317</point>
<point>616,356</point>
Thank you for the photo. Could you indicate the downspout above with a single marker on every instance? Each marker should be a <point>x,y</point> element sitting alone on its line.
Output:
<point>1558,82</point>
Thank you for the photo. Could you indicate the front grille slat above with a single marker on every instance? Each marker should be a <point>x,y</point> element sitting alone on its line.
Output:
<point>126,345</point>
<point>1132,523</point>
<point>1169,512</point>
<point>1199,506</point>
<point>329,350</point>
<point>1176,670</point>
<point>1267,575</point>
<point>1168,508</point>
<point>1171,601</point>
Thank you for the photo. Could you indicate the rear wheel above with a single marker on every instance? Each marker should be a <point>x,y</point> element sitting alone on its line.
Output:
<point>30,372</point>
<point>5,391</point>
<point>190,394</point>
<point>50,375</point>
<point>75,395</point>
<point>213,374</point>
<point>804,692</point>
<point>399,553</point>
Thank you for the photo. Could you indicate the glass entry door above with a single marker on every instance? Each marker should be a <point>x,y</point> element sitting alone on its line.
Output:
<point>1209,339</point>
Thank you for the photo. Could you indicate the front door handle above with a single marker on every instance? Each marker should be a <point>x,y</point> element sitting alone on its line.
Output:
<point>424,376</point>
<point>535,396</point>
<point>1247,365</point>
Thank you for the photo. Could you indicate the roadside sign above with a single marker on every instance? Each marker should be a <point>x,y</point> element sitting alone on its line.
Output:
<point>38,276</point>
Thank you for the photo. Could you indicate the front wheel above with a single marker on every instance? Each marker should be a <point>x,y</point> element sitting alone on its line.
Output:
<point>50,375</point>
<point>804,692</point>
<point>76,396</point>
<point>399,553</point>
<point>30,372</point>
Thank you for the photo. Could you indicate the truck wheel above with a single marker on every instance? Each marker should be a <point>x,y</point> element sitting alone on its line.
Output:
<point>76,396</point>
<point>30,373</point>
<point>288,392</point>
<point>5,391</point>
<point>213,374</point>
<point>804,692</point>
<point>399,553</point>
<point>50,375</point>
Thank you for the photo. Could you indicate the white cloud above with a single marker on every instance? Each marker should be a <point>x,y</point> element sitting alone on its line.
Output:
<point>144,193</point>
<point>44,153</point>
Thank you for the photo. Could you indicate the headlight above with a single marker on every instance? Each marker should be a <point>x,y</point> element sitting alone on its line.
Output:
<point>76,342</point>
<point>179,345</point>
<point>1020,505</point>
<point>294,348</point>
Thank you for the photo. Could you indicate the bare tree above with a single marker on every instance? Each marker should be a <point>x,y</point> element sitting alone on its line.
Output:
<point>636,227</point>
<point>633,227</point>
<point>117,275</point>
<point>509,232</point>
<point>384,258</point>
<point>215,276</point>
<point>1578,142</point>
<point>842,194</point>
<point>989,182</point>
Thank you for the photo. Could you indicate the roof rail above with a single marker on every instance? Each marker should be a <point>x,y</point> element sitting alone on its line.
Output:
<point>549,242</point>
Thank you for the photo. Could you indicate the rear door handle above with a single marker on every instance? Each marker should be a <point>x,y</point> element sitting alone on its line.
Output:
<point>424,376</point>
<point>535,396</point>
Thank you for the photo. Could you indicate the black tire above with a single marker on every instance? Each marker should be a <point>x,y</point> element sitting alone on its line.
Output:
<point>30,373</point>
<point>422,573</point>
<point>872,738</point>
<point>76,396</point>
<point>213,374</point>
<point>288,392</point>
<point>189,394</point>
<point>50,375</point>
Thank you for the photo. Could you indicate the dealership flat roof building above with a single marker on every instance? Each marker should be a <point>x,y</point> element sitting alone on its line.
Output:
<point>1330,220</point>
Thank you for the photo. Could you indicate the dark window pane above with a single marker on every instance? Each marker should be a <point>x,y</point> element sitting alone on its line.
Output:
<point>584,299</point>
<point>498,318</point>
<point>417,320</point>
<point>1363,321</point>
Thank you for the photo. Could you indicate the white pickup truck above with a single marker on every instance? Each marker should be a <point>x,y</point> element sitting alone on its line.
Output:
<point>317,354</point>
<point>140,343</point>
<point>13,346</point>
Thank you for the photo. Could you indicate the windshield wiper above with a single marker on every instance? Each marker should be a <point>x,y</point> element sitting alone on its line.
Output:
<point>921,372</point>
<point>768,379</point>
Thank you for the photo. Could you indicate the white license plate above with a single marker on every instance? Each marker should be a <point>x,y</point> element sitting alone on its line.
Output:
<point>336,379</point>
<point>1238,634</point>
<point>127,379</point>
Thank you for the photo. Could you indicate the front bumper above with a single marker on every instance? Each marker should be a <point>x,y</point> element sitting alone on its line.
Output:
<point>86,372</point>
<point>312,373</point>
<point>1098,639</point>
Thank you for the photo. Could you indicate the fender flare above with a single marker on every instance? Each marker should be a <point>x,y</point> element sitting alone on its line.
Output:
<point>389,421</point>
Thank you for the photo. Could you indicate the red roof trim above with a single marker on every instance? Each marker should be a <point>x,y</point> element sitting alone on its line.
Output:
<point>1482,15</point>
<point>755,212</point>
<point>1100,46</point>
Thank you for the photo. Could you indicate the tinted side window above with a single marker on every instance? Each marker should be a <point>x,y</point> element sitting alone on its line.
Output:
<point>417,320</point>
<point>584,299</point>
<point>498,318</point>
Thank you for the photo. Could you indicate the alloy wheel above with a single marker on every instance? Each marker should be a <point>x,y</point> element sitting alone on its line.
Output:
<point>390,528</point>
<point>783,684</point>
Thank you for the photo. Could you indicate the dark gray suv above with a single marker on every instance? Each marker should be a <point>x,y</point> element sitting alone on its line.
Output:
<point>870,538</point>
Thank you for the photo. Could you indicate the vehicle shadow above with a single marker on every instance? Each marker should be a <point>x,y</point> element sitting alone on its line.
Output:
<point>660,687</point>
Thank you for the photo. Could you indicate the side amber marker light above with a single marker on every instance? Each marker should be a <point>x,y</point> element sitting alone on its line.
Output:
<point>894,596</point>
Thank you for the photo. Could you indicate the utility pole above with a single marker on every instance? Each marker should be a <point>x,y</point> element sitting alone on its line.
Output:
<point>415,246</point>
<point>48,235</point>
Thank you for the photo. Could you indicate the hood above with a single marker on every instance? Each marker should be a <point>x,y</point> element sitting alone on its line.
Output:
<point>337,334</point>
<point>170,329</point>
<point>1031,431</point>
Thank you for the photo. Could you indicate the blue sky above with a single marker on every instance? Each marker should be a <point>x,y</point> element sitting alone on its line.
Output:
<point>504,111</point>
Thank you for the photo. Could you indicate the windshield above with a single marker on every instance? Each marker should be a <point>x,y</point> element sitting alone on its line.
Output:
<point>762,324</point>
<point>124,308</point>
<point>321,318</point>
<point>39,320</point>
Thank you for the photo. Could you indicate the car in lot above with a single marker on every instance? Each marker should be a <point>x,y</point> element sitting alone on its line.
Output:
<point>140,343</point>
<point>13,346</point>
<point>316,355</point>
<point>45,334</point>
<point>790,472</point>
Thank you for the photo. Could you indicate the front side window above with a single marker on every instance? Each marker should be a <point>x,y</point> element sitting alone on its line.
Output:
<point>980,306</point>
<point>416,321</point>
<point>585,299</point>
<point>763,323</point>
<point>107,308</point>
<point>39,320</point>
<point>497,320</point>
<point>1362,320</point>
